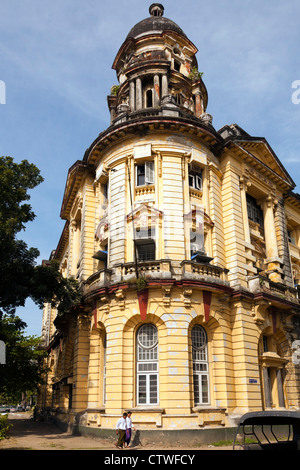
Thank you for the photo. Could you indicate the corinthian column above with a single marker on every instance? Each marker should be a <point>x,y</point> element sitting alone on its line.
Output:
<point>273,261</point>
<point>138,94</point>
<point>132,96</point>
<point>156,91</point>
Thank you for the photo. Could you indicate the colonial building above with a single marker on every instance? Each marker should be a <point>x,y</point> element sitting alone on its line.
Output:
<point>186,244</point>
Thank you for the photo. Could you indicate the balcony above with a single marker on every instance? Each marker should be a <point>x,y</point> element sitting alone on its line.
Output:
<point>261,284</point>
<point>157,270</point>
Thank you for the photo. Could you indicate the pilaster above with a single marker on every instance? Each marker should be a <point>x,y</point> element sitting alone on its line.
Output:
<point>81,363</point>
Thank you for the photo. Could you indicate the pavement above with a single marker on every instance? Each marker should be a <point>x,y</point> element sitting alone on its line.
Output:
<point>26,434</point>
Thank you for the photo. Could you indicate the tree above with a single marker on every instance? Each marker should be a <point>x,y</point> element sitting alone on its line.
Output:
<point>24,366</point>
<point>17,261</point>
<point>20,277</point>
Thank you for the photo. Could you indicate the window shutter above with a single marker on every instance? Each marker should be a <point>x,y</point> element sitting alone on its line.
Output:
<point>149,172</point>
<point>198,182</point>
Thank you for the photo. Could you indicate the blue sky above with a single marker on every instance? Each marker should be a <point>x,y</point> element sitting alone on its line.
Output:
<point>56,58</point>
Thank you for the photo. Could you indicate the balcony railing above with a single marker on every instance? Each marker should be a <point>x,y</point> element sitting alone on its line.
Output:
<point>260,283</point>
<point>157,269</point>
<point>203,271</point>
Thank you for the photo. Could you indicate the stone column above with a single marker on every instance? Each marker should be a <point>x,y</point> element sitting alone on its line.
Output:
<point>132,96</point>
<point>138,94</point>
<point>156,91</point>
<point>267,392</point>
<point>198,107</point>
<point>164,85</point>
<point>280,388</point>
<point>273,261</point>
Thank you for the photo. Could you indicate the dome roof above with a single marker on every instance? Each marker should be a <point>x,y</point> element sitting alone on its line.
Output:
<point>156,23</point>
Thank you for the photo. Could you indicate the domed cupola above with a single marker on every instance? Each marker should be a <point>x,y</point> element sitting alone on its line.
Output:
<point>158,73</point>
<point>155,23</point>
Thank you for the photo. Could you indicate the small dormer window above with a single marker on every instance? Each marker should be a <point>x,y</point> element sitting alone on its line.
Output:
<point>176,50</point>
<point>195,178</point>
<point>177,65</point>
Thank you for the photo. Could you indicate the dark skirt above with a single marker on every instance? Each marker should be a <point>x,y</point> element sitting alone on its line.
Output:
<point>128,435</point>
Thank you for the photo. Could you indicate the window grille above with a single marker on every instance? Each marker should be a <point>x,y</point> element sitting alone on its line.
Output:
<point>255,213</point>
<point>147,365</point>
<point>146,251</point>
<point>104,370</point>
<point>200,366</point>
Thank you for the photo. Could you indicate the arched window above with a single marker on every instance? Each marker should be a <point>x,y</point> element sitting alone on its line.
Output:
<point>104,369</point>
<point>200,366</point>
<point>149,99</point>
<point>147,365</point>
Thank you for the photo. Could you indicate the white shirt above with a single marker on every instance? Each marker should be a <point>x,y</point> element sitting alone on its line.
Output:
<point>121,424</point>
<point>129,422</point>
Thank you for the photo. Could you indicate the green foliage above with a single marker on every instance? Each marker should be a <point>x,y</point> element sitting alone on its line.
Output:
<point>20,277</point>
<point>15,180</point>
<point>195,74</point>
<point>24,366</point>
<point>114,90</point>
<point>141,283</point>
<point>17,261</point>
<point>49,286</point>
<point>4,427</point>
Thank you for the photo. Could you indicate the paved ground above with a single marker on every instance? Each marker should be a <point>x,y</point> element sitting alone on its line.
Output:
<point>25,434</point>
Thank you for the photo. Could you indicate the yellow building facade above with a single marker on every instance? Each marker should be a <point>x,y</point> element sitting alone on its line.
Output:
<point>186,244</point>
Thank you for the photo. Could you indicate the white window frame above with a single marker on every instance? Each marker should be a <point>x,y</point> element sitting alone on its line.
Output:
<point>142,364</point>
<point>104,370</point>
<point>196,181</point>
<point>201,363</point>
<point>149,173</point>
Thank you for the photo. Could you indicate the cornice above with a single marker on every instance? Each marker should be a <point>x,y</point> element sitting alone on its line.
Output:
<point>155,124</point>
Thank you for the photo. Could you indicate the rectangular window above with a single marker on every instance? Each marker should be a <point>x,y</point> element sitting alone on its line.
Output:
<point>142,389</point>
<point>201,388</point>
<point>195,179</point>
<point>145,243</point>
<point>104,372</point>
<point>255,213</point>
<point>196,243</point>
<point>146,251</point>
<point>147,389</point>
<point>145,174</point>
<point>153,385</point>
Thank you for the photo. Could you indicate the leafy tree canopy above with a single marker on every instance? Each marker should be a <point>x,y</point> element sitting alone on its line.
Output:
<point>20,277</point>
<point>24,366</point>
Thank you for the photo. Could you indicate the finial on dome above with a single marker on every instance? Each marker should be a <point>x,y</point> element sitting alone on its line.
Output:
<point>156,9</point>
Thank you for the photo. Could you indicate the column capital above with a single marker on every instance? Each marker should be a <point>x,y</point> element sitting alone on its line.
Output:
<point>270,200</point>
<point>244,182</point>
<point>73,225</point>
